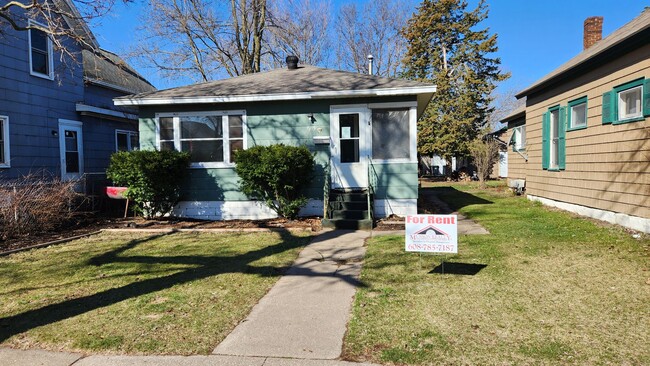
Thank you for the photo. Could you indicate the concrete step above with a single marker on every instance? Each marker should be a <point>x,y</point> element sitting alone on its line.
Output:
<point>350,214</point>
<point>348,224</point>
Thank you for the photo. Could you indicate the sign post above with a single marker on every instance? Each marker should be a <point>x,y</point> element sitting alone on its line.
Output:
<point>431,234</point>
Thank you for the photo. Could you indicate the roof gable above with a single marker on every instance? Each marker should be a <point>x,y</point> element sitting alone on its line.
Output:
<point>636,28</point>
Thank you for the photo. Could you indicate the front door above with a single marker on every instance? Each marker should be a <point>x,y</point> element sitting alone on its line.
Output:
<point>71,149</point>
<point>349,129</point>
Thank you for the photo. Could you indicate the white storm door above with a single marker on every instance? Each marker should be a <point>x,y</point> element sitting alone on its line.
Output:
<point>71,149</point>
<point>349,129</point>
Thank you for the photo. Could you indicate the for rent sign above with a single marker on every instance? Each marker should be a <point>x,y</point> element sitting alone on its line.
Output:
<point>432,233</point>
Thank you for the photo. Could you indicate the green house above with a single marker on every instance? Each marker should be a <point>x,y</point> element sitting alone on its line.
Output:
<point>361,128</point>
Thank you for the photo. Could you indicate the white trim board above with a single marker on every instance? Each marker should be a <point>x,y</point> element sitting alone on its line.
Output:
<point>85,108</point>
<point>633,222</point>
<point>232,210</point>
<point>276,97</point>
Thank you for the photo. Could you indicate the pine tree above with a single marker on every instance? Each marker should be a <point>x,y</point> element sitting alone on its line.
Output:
<point>446,47</point>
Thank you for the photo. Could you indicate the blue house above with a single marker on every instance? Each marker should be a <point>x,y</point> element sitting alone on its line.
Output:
<point>56,113</point>
<point>361,129</point>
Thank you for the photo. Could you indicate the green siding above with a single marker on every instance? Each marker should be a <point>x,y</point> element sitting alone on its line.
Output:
<point>279,122</point>
<point>396,181</point>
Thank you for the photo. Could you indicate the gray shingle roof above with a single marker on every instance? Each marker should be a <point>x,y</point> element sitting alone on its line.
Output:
<point>108,69</point>
<point>303,83</point>
<point>635,27</point>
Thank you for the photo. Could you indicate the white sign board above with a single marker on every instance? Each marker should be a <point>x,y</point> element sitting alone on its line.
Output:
<point>432,233</point>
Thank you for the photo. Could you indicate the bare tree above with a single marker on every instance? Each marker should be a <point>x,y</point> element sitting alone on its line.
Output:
<point>300,28</point>
<point>372,30</point>
<point>203,39</point>
<point>503,103</point>
<point>485,154</point>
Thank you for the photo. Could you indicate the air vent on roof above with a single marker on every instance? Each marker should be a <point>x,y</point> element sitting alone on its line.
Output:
<point>292,62</point>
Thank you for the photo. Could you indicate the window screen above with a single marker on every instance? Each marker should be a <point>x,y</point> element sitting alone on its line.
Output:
<point>390,134</point>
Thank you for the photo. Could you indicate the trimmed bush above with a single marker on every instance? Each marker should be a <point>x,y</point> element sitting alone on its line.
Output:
<point>276,174</point>
<point>153,178</point>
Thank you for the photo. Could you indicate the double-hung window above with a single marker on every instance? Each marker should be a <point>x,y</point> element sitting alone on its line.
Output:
<point>40,52</point>
<point>4,142</point>
<point>577,114</point>
<point>211,138</point>
<point>553,138</point>
<point>625,103</point>
<point>126,140</point>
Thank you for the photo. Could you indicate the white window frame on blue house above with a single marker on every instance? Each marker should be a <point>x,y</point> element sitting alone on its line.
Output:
<point>5,156</point>
<point>49,54</point>
<point>227,159</point>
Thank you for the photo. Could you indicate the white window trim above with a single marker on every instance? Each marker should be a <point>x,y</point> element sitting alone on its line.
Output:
<point>519,143</point>
<point>226,134</point>
<point>5,135</point>
<point>128,133</point>
<point>413,118</point>
<point>572,120</point>
<point>619,103</point>
<point>50,56</point>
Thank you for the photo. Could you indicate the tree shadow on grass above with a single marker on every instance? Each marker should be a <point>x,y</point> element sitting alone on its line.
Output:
<point>205,266</point>
<point>448,199</point>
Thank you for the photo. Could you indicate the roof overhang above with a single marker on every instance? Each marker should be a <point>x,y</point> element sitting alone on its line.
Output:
<point>426,91</point>
<point>89,110</point>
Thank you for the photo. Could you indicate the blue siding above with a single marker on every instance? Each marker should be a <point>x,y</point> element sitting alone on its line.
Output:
<point>34,106</point>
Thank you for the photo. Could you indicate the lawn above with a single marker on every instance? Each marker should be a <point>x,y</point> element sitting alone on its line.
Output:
<point>176,293</point>
<point>555,289</point>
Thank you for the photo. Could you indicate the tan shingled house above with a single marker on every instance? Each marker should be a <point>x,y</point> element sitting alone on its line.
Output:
<point>582,143</point>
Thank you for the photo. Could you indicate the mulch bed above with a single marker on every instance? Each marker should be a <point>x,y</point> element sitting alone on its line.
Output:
<point>83,227</point>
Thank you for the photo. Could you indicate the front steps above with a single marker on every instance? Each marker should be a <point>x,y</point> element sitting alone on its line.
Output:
<point>348,209</point>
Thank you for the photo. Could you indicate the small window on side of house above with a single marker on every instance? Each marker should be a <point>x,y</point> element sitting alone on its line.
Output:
<point>578,114</point>
<point>40,52</point>
<point>629,103</point>
<point>126,140</point>
<point>4,142</point>
<point>519,138</point>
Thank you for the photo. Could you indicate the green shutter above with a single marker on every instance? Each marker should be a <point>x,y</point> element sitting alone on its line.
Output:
<point>646,97</point>
<point>545,139</point>
<point>608,107</point>
<point>561,156</point>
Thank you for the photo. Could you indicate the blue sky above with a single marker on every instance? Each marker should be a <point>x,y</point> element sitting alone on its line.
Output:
<point>535,37</point>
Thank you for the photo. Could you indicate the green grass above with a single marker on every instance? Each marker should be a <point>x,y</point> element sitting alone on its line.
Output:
<point>138,293</point>
<point>557,289</point>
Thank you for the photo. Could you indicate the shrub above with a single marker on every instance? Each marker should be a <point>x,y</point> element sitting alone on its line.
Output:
<point>34,204</point>
<point>153,178</point>
<point>485,153</point>
<point>276,174</point>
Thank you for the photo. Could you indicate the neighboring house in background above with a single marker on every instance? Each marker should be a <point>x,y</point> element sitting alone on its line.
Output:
<point>56,114</point>
<point>362,126</point>
<point>585,129</point>
<point>500,167</point>
<point>516,152</point>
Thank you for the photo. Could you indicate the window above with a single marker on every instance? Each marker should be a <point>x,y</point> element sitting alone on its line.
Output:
<point>40,52</point>
<point>393,123</point>
<point>629,103</point>
<point>553,138</point>
<point>126,140</point>
<point>577,114</point>
<point>211,138</point>
<point>519,138</point>
<point>625,103</point>
<point>4,142</point>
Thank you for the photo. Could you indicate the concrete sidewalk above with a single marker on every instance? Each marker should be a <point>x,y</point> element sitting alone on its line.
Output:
<point>13,357</point>
<point>306,313</point>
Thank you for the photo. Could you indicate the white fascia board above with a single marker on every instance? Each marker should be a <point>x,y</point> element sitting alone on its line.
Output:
<point>276,97</point>
<point>81,108</point>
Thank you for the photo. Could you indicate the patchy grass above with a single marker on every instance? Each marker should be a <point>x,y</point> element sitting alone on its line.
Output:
<point>556,289</point>
<point>137,293</point>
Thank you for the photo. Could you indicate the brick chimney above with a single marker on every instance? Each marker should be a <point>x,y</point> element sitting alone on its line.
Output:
<point>593,31</point>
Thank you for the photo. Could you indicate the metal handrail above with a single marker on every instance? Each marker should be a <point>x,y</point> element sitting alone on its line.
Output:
<point>372,183</point>
<point>326,187</point>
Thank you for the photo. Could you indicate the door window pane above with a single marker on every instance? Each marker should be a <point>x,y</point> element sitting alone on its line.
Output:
<point>349,137</point>
<point>390,134</point>
<point>350,151</point>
